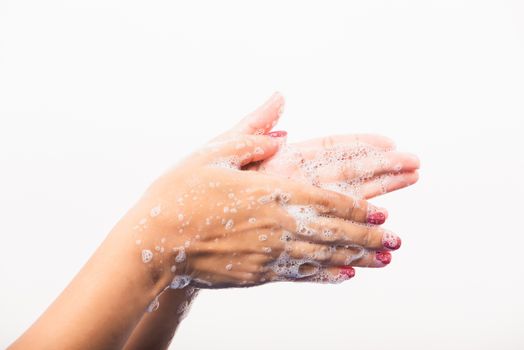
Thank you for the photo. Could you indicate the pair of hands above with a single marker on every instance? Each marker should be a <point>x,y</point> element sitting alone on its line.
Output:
<point>248,209</point>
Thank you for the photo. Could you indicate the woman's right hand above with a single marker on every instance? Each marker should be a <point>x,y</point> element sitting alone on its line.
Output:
<point>209,224</point>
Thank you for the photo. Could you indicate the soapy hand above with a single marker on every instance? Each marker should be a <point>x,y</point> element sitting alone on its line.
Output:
<point>361,165</point>
<point>211,224</point>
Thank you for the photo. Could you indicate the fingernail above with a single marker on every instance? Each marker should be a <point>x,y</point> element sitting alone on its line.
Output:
<point>391,240</point>
<point>347,271</point>
<point>280,133</point>
<point>377,216</point>
<point>383,257</point>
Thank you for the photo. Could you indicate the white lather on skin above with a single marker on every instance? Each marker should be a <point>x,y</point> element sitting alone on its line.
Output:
<point>356,161</point>
<point>343,160</point>
<point>180,282</point>
<point>147,255</point>
<point>155,211</point>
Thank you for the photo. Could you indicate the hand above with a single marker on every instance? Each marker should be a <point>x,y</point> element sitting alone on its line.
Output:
<point>380,178</point>
<point>209,224</point>
<point>213,225</point>
<point>360,165</point>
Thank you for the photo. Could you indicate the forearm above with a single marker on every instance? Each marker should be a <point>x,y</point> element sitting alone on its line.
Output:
<point>103,303</point>
<point>156,329</point>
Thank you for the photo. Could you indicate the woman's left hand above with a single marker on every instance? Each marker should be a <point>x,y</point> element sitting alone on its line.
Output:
<point>360,165</point>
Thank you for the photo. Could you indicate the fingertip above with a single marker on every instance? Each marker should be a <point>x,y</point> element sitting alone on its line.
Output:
<point>391,241</point>
<point>278,102</point>
<point>414,160</point>
<point>278,96</point>
<point>347,272</point>
<point>276,99</point>
<point>414,177</point>
<point>376,216</point>
<point>264,118</point>
<point>383,258</point>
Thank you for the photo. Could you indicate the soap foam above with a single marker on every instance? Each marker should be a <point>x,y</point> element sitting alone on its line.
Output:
<point>180,282</point>
<point>147,255</point>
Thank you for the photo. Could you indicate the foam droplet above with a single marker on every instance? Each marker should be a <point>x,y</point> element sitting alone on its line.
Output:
<point>155,211</point>
<point>147,255</point>
<point>153,306</point>
<point>180,282</point>
<point>181,256</point>
<point>229,224</point>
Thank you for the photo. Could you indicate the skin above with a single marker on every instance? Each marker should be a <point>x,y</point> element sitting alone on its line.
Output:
<point>156,329</point>
<point>184,211</point>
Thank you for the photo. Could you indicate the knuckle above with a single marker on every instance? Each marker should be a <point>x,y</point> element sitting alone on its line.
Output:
<point>367,236</point>
<point>321,200</point>
<point>350,211</point>
<point>323,253</point>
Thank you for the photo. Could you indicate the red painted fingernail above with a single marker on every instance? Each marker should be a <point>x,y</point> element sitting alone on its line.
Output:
<point>376,218</point>
<point>347,271</point>
<point>383,257</point>
<point>280,133</point>
<point>391,240</point>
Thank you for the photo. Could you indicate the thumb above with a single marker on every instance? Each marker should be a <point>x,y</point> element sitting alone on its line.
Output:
<point>244,149</point>
<point>261,120</point>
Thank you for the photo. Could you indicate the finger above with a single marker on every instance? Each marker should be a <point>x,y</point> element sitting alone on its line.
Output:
<point>387,183</point>
<point>308,251</point>
<point>286,268</point>
<point>335,231</point>
<point>347,141</point>
<point>312,154</point>
<point>331,275</point>
<point>310,272</point>
<point>261,120</point>
<point>367,167</point>
<point>324,255</point>
<point>313,201</point>
<point>374,259</point>
<point>373,187</point>
<point>337,256</point>
<point>241,150</point>
<point>365,258</point>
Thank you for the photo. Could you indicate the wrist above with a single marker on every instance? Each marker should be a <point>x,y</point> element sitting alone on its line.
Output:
<point>151,240</point>
<point>136,256</point>
<point>113,289</point>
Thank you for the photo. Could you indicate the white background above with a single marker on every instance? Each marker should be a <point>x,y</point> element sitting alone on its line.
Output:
<point>98,97</point>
